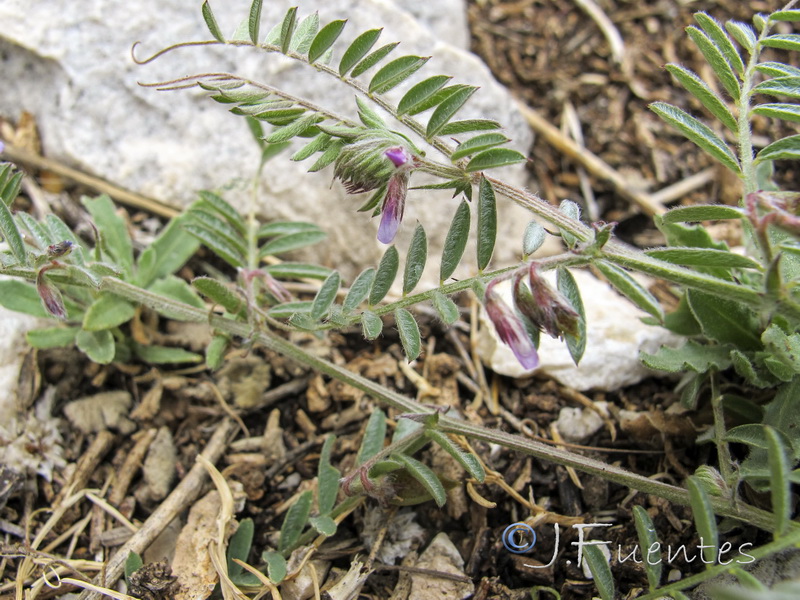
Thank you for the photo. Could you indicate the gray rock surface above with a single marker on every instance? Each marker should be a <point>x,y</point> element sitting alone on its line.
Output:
<point>72,69</point>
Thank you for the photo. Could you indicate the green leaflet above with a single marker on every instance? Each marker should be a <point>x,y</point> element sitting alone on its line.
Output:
<point>324,525</point>
<point>455,242</point>
<point>10,183</point>
<point>254,20</point>
<point>384,277</point>
<point>409,333</point>
<point>319,143</point>
<point>292,241</point>
<point>420,93</point>
<point>371,325</point>
<point>447,109</point>
<point>704,257</point>
<point>304,34</point>
<point>327,478</point>
<point>649,546</point>
<point>112,229</point>
<point>787,112</point>
<point>220,246</point>
<point>326,37</point>
<point>704,519</point>
<point>219,205</point>
<point>700,90</point>
<point>601,571</point>
<point>373,59</point>
<point>276,566</point>
<point>277,228</point>
<point>218,228</point>
<point>569,288</point>
<point>493,158</point>
<point>698,133</point>
<point>296,270</point>
<point>415,259</point>
<point>721,40</point>
<point>725,321</point>
<point>487,223</point>
<point>776,69</point>
<point>215,351</point>
<point>51,337</point>
<point>106,312</point>
<point>211,22</point>
<point>374,436</point>
<point>477,144</point>
<point>445,307</point>
<point>467,125</point>
<point>325,296</point>
<point>359,291</point>
<point>786,148</point>
<point>742,33</point>
<point>298,127</point>
<point>424,476</point>
<point>717,60</point>
<point>368,116</point>
<point>133,563</point>
<point>691,356</point>
<point>470,463</point>
<point>395,72</point>
<point>295,521</point>
<point>358,50</point>
<point>693,214</point>
<point>169,252</point>
<point>785,41</point>
<point>780,86</point>
<point>11,234</point>
<point>239,547</point>
<point>780,489</point>
<point>785,15</point>
<point>287,29</point>
<point>631,289</point>
<point>97,345</point>
<point>330,154</point>
<point>161,355</point>
<point>533,238</point>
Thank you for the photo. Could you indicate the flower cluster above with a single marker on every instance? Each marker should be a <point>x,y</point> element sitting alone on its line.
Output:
<point>535,301</point>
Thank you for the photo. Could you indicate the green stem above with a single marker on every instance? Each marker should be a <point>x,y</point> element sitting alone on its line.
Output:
<point>723,452</point>
<point>401,403</point>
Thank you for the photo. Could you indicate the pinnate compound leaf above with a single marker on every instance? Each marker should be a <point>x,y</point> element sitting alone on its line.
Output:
<point>97,345</point>
<point>327,478</point>
<point>698,133</point>
<point>689,357</point>
<point>106,312</point>
<point>784,41</point>
<point>700,90</point>
<point>254,20</point>
<point>780,86</point>
<point>716,59</point>
<point>424,476</point>
<point>276,566</point>
<point>787,112</point>
<point>298,127</point>
<point>359,291</point>
<point>326,37</point>
<point>721,40</point>
<point>409,333</point>
<point>487,223</point>
<point>566,284</point>
<point>374,436</point>
<point>493,158</point>
<point>704,518</point>
<point>11,235</point>
<point>415,259</point>
<point>384,277</point>
<point>447,109</point>
<point>295,521</point>
<point>52,337</point>
<point>725,321</point>
<point>420,93</point>
<point>786,148</point>
<point>455,242</point>
<point>477,144</point>
<point>395,72</point>
<point>470,463</point>
<point>780,489</point>
<point>293,241</point>
<point>445,308</point>
<point>371,325</point>
<point>704,257</point>
<point>211,22</point>
<point>358,49</point>
<point>373,59</point>
<point>708,212</point>
<point>631,289</point>
<point>325,296</point>
<point>601,572</point>
<point>646,532</point>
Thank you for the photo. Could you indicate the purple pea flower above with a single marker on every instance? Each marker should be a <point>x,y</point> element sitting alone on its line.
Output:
<point>510,328</point>
<point>51,297</point>
<point>546,308</point>
<point>394,203</point>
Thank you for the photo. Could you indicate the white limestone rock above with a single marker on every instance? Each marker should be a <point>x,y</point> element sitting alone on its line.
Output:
<point>72,69</point>
<point>615,337</point>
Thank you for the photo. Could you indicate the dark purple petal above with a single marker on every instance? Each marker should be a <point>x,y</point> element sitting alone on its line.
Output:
<point>393,207</point>
<point>546,308</point>
<point>398,155</point>
<point>510,328</point>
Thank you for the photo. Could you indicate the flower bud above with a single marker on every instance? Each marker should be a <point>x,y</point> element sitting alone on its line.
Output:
<point>51,297</point>
<point>546,308</point>
<point>510,328</point>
